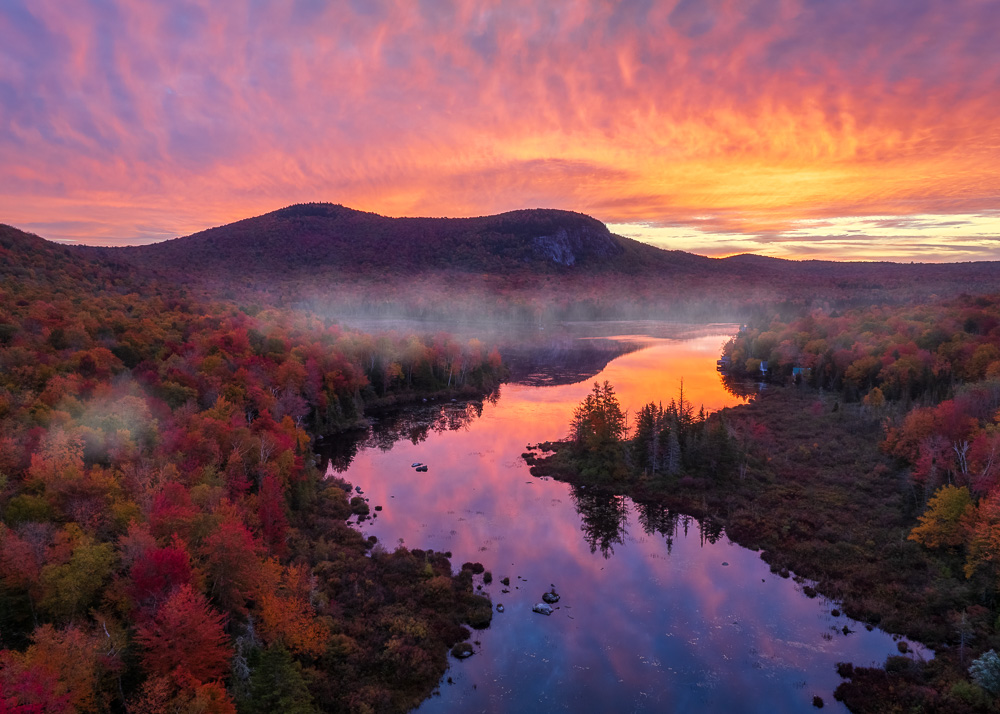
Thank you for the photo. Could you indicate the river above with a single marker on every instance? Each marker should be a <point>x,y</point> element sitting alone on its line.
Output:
<point>656,613</point>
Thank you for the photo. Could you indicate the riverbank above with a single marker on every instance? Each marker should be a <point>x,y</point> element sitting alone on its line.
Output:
<point>819,499</point>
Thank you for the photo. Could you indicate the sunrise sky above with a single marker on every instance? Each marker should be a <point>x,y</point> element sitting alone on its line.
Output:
<point>793,128</point>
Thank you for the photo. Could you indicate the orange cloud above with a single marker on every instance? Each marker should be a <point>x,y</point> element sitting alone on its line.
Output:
<point>126,121</point>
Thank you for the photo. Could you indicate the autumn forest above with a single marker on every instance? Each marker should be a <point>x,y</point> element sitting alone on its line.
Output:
<point>168,543</point>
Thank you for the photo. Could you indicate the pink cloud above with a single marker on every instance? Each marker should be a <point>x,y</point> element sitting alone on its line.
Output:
<point>137,119</point>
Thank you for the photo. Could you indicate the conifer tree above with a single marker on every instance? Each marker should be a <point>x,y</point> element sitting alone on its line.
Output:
<point>277,685</point>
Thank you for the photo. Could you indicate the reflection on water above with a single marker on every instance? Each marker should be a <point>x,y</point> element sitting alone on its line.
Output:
<point>603,519</point>
<point>413,423</point>
<point>554,355</point>
<point>658,611</point>
<point>566,360</point>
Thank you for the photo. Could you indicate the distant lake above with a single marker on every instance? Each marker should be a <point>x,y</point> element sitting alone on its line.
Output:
<point>657,613</point>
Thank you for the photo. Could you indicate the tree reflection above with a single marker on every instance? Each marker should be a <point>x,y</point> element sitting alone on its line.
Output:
<point>604,518</point>
<point>710,530</point>
<point>741,388</point>
<point>412,423</point>
<point>564,360</point>
<point>604,521</point>
<point>657,518</point>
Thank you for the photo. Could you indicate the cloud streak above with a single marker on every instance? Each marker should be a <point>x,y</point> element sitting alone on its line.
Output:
<point>127,121</point>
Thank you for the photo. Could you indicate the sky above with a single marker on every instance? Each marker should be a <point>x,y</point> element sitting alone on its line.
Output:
<point>843,129</point>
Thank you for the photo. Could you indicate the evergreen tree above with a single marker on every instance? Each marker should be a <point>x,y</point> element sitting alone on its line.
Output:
<point>277,685</point>
<point>985,672</point>
<point>599,420</point>
<point>673,450</point>
<point>647,440</point>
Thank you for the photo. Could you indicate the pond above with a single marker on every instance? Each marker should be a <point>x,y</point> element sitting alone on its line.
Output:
<point>656,611</point>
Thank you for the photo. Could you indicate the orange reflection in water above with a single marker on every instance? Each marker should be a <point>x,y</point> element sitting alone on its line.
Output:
<point>658,372</point>
<point>654,615</point>
<point>479,470</point>
<point>654,373</point>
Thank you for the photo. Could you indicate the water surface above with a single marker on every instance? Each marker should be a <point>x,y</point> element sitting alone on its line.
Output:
<point>656,611</point>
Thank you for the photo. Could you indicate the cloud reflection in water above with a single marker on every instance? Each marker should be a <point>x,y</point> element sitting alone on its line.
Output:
<point>660,623</point>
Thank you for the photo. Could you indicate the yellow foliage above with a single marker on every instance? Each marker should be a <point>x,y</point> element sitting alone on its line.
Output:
<point>942,524</point>
<point>875,399</point>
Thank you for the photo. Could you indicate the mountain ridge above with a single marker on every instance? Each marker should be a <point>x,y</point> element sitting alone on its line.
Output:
<point>540,233</point>
<point>337,236</point>
<point>530,264</point>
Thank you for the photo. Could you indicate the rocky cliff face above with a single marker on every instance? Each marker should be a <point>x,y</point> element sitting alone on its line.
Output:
<point>565,247</point>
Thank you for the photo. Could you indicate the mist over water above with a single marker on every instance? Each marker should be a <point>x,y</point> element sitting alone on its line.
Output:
<point>657,611</point>
<point>563,353</point>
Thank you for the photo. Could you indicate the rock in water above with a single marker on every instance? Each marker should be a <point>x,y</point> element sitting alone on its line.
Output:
<point>542,608</point>
<point>421,468</point>
<point>415,464</point>
<point>551,597</point>
<point>462,650</point>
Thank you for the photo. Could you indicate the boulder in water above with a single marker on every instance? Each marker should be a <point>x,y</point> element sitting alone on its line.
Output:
<point>542,608</point>
<point>551,597</point>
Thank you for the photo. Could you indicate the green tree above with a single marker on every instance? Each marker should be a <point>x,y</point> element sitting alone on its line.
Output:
<point>71,587</point>
<point>717,454</point>
<point>647,449</point>
<point>277,685</point>
<point>599,419</point>
<point>985,672</point>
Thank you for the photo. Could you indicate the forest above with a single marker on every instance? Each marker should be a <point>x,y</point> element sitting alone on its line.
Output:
<point>167,542</point>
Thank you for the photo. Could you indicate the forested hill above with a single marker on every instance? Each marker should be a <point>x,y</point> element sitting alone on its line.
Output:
<point>29,261</point>
<point>334,238</point>
<point>523,266</point>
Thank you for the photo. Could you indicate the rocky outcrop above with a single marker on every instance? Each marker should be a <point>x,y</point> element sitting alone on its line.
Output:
<point>567,246</point>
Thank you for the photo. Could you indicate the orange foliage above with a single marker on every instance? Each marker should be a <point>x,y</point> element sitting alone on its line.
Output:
<point>984,543</point>
<point>169,695</point>
<point>286,615</point>
<point>69,660</point>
